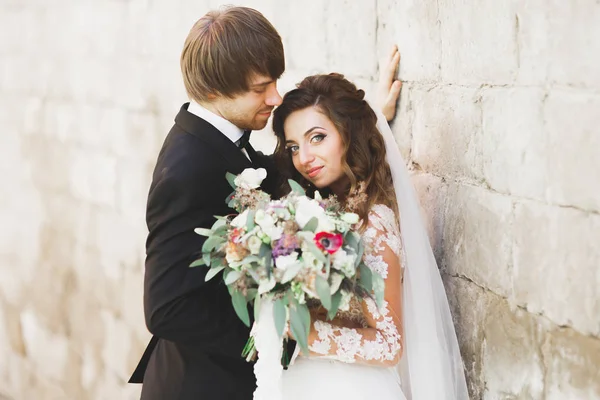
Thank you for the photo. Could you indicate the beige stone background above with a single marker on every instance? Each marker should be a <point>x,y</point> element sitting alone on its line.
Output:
<point>499,118</point>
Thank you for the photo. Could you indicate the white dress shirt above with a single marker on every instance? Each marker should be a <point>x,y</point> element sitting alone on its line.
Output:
<point>224,126</point>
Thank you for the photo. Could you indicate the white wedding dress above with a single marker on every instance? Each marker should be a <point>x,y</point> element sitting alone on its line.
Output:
<point>351,363</point>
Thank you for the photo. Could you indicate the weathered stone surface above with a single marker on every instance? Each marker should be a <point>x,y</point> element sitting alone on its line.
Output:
<point>512,360</point>
<point>446,131</point>
<point>571,122</point>
<point>415,27</point>
<point>555,271</point>
<point>477,49</point>
<point>515,142</point>
<point>572,365</point>
<point>478,227</point>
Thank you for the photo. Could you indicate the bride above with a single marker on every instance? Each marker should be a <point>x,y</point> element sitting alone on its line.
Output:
<point>330,139</point>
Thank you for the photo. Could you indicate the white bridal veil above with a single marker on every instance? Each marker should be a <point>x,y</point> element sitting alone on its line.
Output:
<point>431,366</point>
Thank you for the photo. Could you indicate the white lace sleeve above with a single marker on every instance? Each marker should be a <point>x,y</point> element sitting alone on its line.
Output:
<point>380,343</point>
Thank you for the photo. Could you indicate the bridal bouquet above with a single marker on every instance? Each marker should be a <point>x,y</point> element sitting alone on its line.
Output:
<point>289,251</point>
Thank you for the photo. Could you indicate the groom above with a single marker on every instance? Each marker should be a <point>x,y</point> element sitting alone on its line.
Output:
<point>230,63</point>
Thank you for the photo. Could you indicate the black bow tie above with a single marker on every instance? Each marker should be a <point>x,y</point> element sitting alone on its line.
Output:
<point>244,141</point>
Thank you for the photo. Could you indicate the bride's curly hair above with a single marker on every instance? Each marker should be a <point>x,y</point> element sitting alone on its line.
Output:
<point>364,153</point>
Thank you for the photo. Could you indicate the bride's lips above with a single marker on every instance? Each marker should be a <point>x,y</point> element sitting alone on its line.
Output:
<point>314,171</point>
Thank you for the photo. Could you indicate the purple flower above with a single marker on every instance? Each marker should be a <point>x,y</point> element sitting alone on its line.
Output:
<point>285,246</point>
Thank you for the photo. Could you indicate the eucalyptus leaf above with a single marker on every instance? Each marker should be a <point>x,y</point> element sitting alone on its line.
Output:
<point>219,223</point>
<point>240,306</point>
<point>359,253</point>
<point>336,299</point>
<point>296,187</point>
<point>280,316</point>
<point>213,272</point>
<point>366,277</point>
<point>232,276</point>
<point>323,291</point>
<point>251,294</point>
<point>198,263</point>
<point>250,224</point>
<point>311,225</point>
<point>351,239</point>
<point>315,251</point>
<point>231,179</point>
<point>291,272</point>
<point>203,231</point>
<point>299,329</point>
<point>212,243</point>
<point>378,285</point>
<point>335,280</point>
<point>206,259</point>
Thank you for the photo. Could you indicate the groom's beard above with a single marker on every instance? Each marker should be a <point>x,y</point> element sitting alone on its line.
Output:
<point>254,122</point>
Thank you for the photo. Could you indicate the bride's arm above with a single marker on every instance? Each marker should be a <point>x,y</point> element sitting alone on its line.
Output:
<point>380,343</point>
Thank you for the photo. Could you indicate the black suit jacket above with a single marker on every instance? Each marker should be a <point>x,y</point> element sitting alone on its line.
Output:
<point>198,338</point>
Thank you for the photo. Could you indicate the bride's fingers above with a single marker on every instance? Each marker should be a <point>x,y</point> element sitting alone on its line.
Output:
<point>394,93</point>
<point>390,66</point>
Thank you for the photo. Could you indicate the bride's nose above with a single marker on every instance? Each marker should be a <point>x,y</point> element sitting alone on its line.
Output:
<point>305,155</point>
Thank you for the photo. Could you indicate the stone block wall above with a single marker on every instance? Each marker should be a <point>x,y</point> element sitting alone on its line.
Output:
<point>499,119</point>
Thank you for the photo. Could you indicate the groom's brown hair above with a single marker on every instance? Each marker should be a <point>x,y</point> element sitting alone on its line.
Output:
<point>225,48</point>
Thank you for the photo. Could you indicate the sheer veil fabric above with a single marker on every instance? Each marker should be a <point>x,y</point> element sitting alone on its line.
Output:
<point>431,366</point>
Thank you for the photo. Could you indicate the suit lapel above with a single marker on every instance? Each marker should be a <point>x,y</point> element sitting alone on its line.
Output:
<point>194,125</point>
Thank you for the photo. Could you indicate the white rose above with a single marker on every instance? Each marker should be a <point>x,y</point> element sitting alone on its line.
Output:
<point>265,285</point>
<point>307,208</point>
<point>284,262</point>
<point>254,244</point>
<point>345,302</point>
<point>240,220</point>
<point>350,218</point>
<point>344,262</point>
<point>250,178</point>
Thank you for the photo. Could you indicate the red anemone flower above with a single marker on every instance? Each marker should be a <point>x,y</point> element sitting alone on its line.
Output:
<point>329,242</point>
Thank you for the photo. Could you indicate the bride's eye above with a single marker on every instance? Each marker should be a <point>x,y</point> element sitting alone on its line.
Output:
<point>292,149</point>
<point>318,138</point>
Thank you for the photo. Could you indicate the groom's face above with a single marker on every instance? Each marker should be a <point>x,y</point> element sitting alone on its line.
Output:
<point>251,109</point>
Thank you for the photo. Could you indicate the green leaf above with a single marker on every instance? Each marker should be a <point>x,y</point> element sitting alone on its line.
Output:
<point>379,286</point>
<point>291,272</point>
<point>299,328</point>
<point>219,223</point>
<point>212,243</point>
<point>231,179</point>
<point>206,259</point>
<point>351,239</point>
<point>250,220</point>
<point>323,291</point>
<point>197,263</point>
<point>267,256</point>
<point>296,187</point>
<point>279,314</point>
<point>311,225</point>
<point>251,294</point>
<point>315,251</point>
<point>213,272</point>
<point>232,276</point>
<point>359,253</point>
<point>366,277</point>
<point>203,231</point>
<point>336,299</point>
<point>241,309</point>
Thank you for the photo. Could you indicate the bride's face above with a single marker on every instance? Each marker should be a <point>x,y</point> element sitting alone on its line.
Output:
<point>317,149</point>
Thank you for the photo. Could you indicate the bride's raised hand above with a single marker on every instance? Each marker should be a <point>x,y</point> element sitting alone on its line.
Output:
<point>388,88</point>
